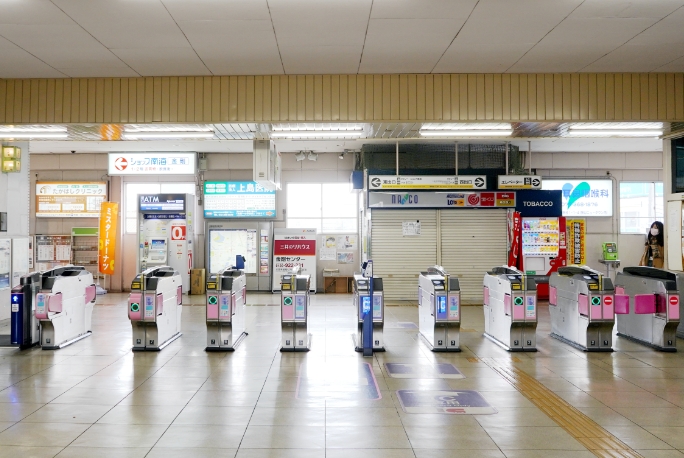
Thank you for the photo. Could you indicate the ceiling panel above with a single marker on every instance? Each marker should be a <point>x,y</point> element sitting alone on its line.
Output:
<point>163,61</point>
<point>217,10</point>
<point>481,58</point>
<point>31,12</point>
<point>674,66</point>
<point>667,32</point>
<point>17,63</point>
<point>636,58</point>
<point>626,9</point>
<point>422,9</point>
<point>99,71</point>
<point>321,59</point>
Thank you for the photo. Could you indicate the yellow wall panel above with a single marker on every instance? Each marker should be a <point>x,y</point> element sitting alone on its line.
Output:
<point>532,96</point>
<point>567,96</point>
<point>190,99</point>
<point>249,99</point>
<point>420,97</point>
<point>557,97</point>
<point>140,100</point>
<point>679,96</point>
<point>488,96</point>
<point>174,99</point>
<point>619,97</point>
<point>395,97</point>
<point>610,96</point>
<point>429,97</point>
<point>515,97</point>
<point>216,97</point>
<point>123,99</point>
<point>584,96</point>
<point>437,100</point>
<point>601,95</point>
<point>99,99</point>
<point>659,107</point>
<point>376,98</point>
<point>49,101</point>
<point>242,98</point>
<point>74,105</point>
<point>386,96</point>
<point>463,108</point>
<point>182,99</point>
<point>480,97</point>
<point>505,96</point>
<point>333,109</point>
<point>33,101</point>
<point>258,98</point>
<point>446,97</point>
<point>668,93</point>
<point>313,96</point>
<point>203,98</point>
<point>412,97</point>
<point>107,100</point>
<point>357,97</point>
<point>344,98</point>
<point>455,97</point>
<point>575,96</point>
<point>523,99</point>
<point>471,88</point>
<point>636,97</point>
<point>148,114</point>
<point>268,98</point>
<point>592,95</point>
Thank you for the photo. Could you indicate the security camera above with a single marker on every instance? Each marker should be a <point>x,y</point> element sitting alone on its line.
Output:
<point>73,152</point>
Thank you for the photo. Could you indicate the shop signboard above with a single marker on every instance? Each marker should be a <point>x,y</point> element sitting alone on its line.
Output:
<point>69,199</point>
<point>238,199</point>
<point>418,199</point>
<point>294,248</point>
<point>520,182</point>
<point>107,237</point>
<point>171,163</point>
<point>584,197</point>
<point>389,182</point>
<point>539,203</point>
<point>162,202</point>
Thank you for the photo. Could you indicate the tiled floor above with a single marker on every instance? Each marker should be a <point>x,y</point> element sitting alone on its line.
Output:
<point>98,399</point>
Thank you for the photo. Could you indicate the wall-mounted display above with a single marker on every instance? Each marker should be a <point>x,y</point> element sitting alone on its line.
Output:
<point>584,197</point>
<point>70,199</point>
<point>238,199</point>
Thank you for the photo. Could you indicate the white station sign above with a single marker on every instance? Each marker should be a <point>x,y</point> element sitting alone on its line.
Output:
<point>171,163</point>
<point>520,182</point>
<point>393,182</point>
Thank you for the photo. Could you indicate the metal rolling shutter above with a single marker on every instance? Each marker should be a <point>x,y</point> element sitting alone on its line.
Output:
<point>399,259</point>
<point>473,241</point>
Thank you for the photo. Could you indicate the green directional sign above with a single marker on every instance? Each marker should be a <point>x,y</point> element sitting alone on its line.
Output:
<point>519,300</point>
<point>213,300</point>
<point>135,307</point>
<point>595,300</point>
<point>287,300</point>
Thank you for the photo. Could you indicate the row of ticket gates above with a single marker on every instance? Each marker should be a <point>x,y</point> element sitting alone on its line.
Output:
<point>54,308</point>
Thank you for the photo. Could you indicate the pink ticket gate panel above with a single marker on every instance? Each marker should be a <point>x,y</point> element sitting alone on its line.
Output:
<point>226,309</point>
<point>294,312</point>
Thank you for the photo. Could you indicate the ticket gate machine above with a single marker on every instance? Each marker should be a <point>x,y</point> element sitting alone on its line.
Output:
<point>653,306</point>
<point>439,309</point>
<point>582,305</point>
<point>25,327</point>
<point>226,297</point>
<point>154,308</point>
<point>362,303</point>
<point>64,306</point>
<point>294,311</point>
<point>510,309</point>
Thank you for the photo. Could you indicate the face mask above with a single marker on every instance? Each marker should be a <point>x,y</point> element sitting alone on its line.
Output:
<point>654,232</point>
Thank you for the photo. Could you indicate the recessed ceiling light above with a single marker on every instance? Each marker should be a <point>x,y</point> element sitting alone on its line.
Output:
<point>316,133</point>
<point>466,133</point>
<point>147,135</point>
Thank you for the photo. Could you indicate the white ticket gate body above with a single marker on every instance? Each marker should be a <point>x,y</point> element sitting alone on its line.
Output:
<point>362,303</point>
<point>154,308</point>
<point>226,297</point>
<point>510,309</point>
<point>64,306</point>
<point>582,305</point>
<point>439,309</point>
<point>294,312</point>
<point>653,306</point>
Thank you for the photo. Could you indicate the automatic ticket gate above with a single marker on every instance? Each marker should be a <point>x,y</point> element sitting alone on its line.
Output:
<point>226,297</point>
<point>652,302</point>
<point>362,303</point>
<point>582,305</point>
<point>510,309</point>
<point>25,327</point>
<point>294,311</point>
<point>64,306</point>
<point>439,309</point>
<point>154,308</point>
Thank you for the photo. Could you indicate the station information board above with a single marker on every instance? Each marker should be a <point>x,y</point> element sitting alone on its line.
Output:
<point>70,199</point>
<point>238,199</point>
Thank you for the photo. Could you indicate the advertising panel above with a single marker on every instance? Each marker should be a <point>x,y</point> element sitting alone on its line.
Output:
<point>170,163</point>
<point>385,182</point>
<point>539,203</point>
<point>238,199</point>
<point>107,237</point>
<point>162,202</point>
<point>294,248</point>
<point>69,199</point>
<point>441,199</point>
<point>584,197</point>
<point>576,241</point>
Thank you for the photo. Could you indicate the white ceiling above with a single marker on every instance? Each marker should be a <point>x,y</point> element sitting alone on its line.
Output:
<point>98,38</point>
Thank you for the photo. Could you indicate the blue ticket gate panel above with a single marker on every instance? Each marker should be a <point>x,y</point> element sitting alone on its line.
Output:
<point>439,309</point>
<point>294,312</point>
<point>25,327</point>
<point>654,306</point>
<point>154,308</point>
<point>510,309</point>
<point>225,313</point>
<point>362,304</point>
<point>582,305</point>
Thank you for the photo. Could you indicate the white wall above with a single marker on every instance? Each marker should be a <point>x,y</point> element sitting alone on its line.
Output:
<point>627,166</point>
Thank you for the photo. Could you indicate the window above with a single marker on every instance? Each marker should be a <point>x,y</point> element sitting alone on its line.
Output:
<point>132,190</point>
<point>640,205</point>
<point>327,207</point>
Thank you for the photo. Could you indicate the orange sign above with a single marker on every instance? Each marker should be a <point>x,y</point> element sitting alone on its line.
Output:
<point>107,237</point>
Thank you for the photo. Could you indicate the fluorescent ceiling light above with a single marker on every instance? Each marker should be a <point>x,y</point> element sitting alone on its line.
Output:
<point>315,133</point>
<point>466,133</point>
<point>466,126</point>
<point>133,129</point>
<point>31,129</point>
<point>614,133</point>
<point>616,126</point>
<point>146,135</point>
<point>11,135</point>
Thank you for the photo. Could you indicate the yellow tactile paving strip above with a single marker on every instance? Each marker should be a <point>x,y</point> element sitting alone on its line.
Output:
<point>589,433</point>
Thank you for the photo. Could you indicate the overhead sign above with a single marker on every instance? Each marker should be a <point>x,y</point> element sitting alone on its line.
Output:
<point>441,199</point>
<point>520,182</point>
<point>584,197</point>
<point>539,203</point>
<point>238,199</point>
<point>152,163</point>
<point>107,237</point>
<point>162,202</point>
<point>69,199</point>
<point>385,182</point>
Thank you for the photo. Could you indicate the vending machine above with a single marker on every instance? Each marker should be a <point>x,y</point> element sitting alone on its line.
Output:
<point>165,233</point>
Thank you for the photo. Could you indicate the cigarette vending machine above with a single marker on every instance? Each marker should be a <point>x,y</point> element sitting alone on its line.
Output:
<point>165,233</point>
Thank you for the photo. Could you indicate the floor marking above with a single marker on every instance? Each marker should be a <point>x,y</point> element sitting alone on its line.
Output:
<point>589,433</point>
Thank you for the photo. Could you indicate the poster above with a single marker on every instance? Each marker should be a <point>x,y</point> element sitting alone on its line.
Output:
<point>64,199</point>
<point>345,258</point>
<point>576,241</point>
<point>347,242</point>
<point>53,248</point>
<point>263,252</point>
<point>330,241</point>
<point>410,228</point>
<point>584,197</point>
<point>327,254</point>
<point>107,237</point>
<point>294,248</point>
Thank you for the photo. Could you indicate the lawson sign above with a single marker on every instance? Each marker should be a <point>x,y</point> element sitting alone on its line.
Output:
<point>539,203</point>
<point>414,199</point>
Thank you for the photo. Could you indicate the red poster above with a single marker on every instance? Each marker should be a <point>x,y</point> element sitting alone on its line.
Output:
<point>515,234</point>
<point>294,248</point>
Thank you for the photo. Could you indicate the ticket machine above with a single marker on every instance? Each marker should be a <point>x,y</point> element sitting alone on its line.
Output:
<point>154,308</point>
<point>653,314</point>
<point>582,305</point>
<point>362,303</point>
<point>439,309</point>
<point>510,309</point>
<point>294,311</point>
<point>226,297</point>
<point>25,327</point>
<point>64,306</point>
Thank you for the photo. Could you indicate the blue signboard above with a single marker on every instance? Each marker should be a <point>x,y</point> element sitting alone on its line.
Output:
<point>539,203</point>
<point>238,199</point>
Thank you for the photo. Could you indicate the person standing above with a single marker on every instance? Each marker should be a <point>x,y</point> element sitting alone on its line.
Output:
<point>654,250</point>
